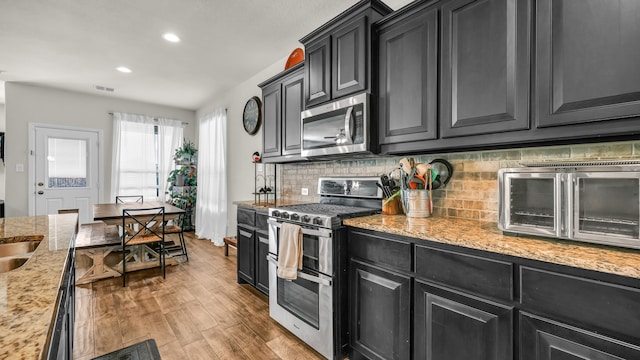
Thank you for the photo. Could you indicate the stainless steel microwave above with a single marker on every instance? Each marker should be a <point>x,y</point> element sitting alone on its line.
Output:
<point>591,202</point>
<point>340,127</point>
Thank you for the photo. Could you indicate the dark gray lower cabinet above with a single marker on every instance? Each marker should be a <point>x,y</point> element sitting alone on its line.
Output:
<point>380,312</point>
<point>246,255</point>
<point>453,326</point>
<point>253,247</point>
<point>61,343</point>
<point>544,339</point>
<point>411,298</point>
<point>262,266</point>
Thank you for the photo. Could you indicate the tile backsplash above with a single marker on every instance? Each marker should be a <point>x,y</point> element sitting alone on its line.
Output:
<point>472,192</point>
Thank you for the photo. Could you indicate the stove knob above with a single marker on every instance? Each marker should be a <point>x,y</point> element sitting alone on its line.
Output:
<point>306,218</point>
<point>284,215</point>
<point>295,217</point>
<point>275,213</point>
<point>317,221</point>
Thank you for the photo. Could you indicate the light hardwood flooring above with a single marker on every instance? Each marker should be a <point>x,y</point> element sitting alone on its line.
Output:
<point>198,312</point>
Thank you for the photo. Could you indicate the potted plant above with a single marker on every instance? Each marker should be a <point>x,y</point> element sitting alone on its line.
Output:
<point>186,153</point>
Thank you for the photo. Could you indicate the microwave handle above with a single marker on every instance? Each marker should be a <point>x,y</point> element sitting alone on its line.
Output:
<point>347,125</point>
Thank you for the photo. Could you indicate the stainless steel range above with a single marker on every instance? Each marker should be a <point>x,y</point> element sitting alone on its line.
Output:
<point>313,306</point>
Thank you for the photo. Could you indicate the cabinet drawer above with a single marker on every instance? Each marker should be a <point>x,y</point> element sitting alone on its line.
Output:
<point>382,251</point>
<point>246,217</point>
<point>466,272</point>
<point>261,221</point>
<point>588,303</point>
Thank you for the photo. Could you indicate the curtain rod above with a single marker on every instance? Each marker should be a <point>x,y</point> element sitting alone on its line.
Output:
<point>156,119</point>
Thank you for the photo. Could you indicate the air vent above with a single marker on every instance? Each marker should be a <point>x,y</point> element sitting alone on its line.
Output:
<point>104,88</point>
<point>574,163</point>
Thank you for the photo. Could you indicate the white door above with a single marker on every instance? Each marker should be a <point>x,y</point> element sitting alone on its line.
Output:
<point>66,174</point>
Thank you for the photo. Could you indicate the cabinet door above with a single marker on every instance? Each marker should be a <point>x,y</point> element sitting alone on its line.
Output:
<point>587,58</point>
<point>543,339</point>
<point>271,136</point>
<point>246,255</point>
<point>348,58</point>
<point>292,106</point>
<point>318,73</point>
<point>408,79</point>
<point>485,66</point>
<point>451,326</point>
<point>262,265</point>
<point>380,312</point>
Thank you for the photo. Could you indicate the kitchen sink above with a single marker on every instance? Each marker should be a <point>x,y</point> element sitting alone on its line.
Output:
<point>18,248</point>
<point>15,254</point>
<point>11,263</point>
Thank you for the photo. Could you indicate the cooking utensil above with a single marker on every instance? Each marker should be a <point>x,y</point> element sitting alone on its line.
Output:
<point>406,165</point>
<point>442,172</point>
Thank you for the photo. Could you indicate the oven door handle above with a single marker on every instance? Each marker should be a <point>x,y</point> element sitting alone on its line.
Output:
<point>324,233</point>
<point>302,275</point>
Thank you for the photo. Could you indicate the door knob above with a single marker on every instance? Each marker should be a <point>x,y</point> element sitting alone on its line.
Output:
<point>40,192</point>
<point>40,183</point>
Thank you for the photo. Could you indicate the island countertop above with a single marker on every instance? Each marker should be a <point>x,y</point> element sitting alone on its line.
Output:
<point>29,294</point>
<point>486,236</point>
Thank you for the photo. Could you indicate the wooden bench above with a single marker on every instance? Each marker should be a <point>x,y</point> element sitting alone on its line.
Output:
<point>230,241</point>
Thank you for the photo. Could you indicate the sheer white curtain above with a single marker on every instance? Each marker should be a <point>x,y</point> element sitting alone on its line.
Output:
<point>170,135</point>
<point>141,160</point>
<point>211,201</point>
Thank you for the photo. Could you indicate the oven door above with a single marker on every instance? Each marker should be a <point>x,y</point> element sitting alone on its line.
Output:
<point>304,305</point>
<point>530,202</point>
<point>606,208</point>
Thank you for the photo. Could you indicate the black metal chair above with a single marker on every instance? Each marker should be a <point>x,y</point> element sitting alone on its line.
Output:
<point>122,199</point>
<point>142,227</point>
<point>177,227</point>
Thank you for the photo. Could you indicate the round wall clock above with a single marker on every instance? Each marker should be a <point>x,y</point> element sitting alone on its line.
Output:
<point>252,115</point>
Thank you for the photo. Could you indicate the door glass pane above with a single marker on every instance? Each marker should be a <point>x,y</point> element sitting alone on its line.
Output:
<point>301,298</point>
<point>532,202</point>
<point>608,206</point>
<point>66,163</point>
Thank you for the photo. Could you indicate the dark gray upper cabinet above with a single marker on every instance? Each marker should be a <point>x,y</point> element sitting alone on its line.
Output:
<point>408,77</point>
<point>485,66</point>
<point>587,58</point>
<point>271,109</point>
<point>282,103</point>
<point>317,71</point>
<point>338,54</point>
<point>348,64</point>
<point>292,106</point>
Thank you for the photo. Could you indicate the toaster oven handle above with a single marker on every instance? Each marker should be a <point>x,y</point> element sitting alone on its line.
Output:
<point>348,128</point>
<point>302,275</point>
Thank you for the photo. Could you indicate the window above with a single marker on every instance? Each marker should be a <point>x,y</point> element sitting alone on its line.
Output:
<point>142,154</point>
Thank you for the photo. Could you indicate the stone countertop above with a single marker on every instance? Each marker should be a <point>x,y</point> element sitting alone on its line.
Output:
<point>264,207</point>
<point>29,294</point>
<point>486,236</point>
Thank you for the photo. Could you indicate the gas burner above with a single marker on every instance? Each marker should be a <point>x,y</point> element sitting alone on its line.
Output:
<point>341,198</point>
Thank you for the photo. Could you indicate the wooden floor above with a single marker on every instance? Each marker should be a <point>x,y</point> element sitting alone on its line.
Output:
<point>198,312</point>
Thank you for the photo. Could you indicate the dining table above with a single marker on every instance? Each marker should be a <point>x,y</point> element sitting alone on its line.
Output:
<point>98,240</point>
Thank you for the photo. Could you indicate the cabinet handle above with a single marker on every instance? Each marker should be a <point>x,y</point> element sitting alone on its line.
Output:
<point>246,234</point>
<point>263,240</point>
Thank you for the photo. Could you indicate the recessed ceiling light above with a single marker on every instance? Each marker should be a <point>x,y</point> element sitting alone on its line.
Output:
<point>171,37</point>
<point>123,69</point>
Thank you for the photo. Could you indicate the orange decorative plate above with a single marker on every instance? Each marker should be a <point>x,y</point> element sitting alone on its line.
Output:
<point>296,57</point>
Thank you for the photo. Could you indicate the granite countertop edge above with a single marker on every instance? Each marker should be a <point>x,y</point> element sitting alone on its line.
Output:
<point>29,294</point>
<point>486,236</point>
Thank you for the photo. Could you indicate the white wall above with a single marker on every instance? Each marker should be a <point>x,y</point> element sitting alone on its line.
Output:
<point>2,167</point>
<point>32,104</point>
<point>240,145</point>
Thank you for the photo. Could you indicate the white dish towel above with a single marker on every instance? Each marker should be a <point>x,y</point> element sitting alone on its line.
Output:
<point>289,251</point>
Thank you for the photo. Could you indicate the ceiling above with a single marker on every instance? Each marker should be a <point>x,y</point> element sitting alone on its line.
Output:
<point>77,45</point>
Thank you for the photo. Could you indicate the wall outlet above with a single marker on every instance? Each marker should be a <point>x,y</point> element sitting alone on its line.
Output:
<point>305,191</point>
<point>19,167</point>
